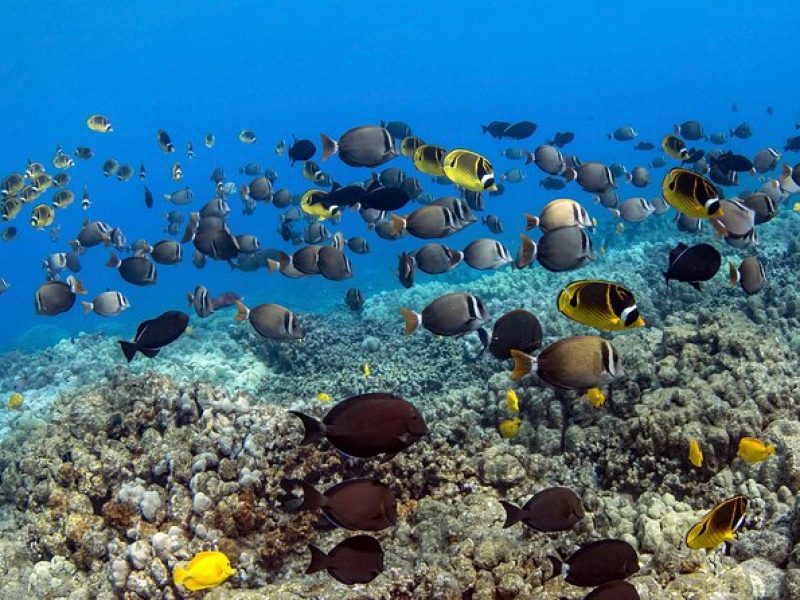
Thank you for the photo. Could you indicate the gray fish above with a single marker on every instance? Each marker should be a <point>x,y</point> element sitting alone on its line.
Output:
<point>167,252</point>
<point>564,249</point>
<point>92,234</point>
<point>623,134</point>
<point>436,259</point>
<point>260,189</point>
<point>461,211</point>
<point>550,160</point>
<point>595,177</point>
<point>371,215</point>
<point>718,138</point>
<point>639,177</point>
<point>427,222</point>
<point>526,253</point>
<point>217,175</point>
<point>4,285</point>
<point>690,130</point>
<point>750,275</point>
<point>306,259</point>
<point>55,297</point>
<point>386,231</point>
<point>199,259</point>
<point>271,321</point>
<point>634,210</point>
<point>107,304</point>
<point>607,198</point>
<point>658,162</point>
<point>392,177</point>
<point>334,264</point>
<point>406,269</point>
<point>118,239</point>
<point>363,146</point>
<point>316,233</point>
<point>453,314</point>
<point>486,253</point>
<point>514,153</point>
<point>201,301</point>
<point>173,228</point>
<point>762,205</point>
<point>474,200</point>
<point>766,160</point>
<point>248,243</point>
<point>660,206</point>
<point>56,262</point>
<point>493,223</point>
<point>354,299</point>
<point>282,198</point>
<point>560,213</point>
<point>359,245</point>
<point>180,197</point>
<point>134,269</point>
<point>251,169</point>
<point>216,207</point>
<point>174,216</point>
<point>737,223</point>
<point>742,131</point>
<point>513,176</point>
<point>412,187</point>
<point>73,262</point>
<point>688,224</point>
<point>219,244</point>
<point>618,169</point>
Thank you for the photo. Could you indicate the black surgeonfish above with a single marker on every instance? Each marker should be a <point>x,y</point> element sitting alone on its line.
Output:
<point>693,264</point>
<point>598,562</point>
<point>367,425</point>
<point>614,590</point>
<point>553,509</point>
<point>154,334</point>
<point>358,559</point>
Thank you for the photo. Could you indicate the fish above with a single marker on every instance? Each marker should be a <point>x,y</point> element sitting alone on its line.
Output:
<point>597,563</point>
<point>596,397</point>
<point>552,509</point>
<point>657,162</point>
<point>514,176</point>
<point>137,270</point>
<point>323,397</point>
<point>634,210</point>
<point>271,321</point>
<point>205,570</point>
<point>354,300</point>
<point>357,559</point>
<point>209,140</point>
<point>4,285</point>
<point>766,160</point>
<point>247,137</point>
<point>333,264</point>
<point>693,264</point>
<point>124,172</point>
<point>260,189</point>
<point>520,130</point>
<point>754,450</point>
<point>550,160</point>
<point>600,304</point>
<point>9,234</point>
<point>85,200</point>
<point>562,139</point>
<point>180,197</point>
<point>367,425</point>
<point>42,216</point>
<point>512,401</point>
<point>429,159</point>
<point>564,249</point>
<point>409,145</point>
<point>366,370</point>
<point>509,428</point>
<point>614,590</point>
<point>355,504</point>
<point>11,208</point>
<point>362,146</point>
<point>63,198</point>
<point>516,330</point>
<point>148,197</point>
<point>690,130</point>
<point>398,129</point>
<point>12,184</point>
<point>729,161</point>
<point>301,151</point>
<point>737,224</point>
<point>426,222</point>
<point>639,177</point>
<point>493,223</point>
<point>675,147</point>
<point>176,172</point>
<point>552,183</point>
<point>718,138</point>
<point>164,141</point>
<point>469,170</point>
<point>695,453</point>
<point>691,193</point>
<point>201,300</point>
<point>486,253</point>
<point>14,401</point>
<point>595,177</point>
<point>167,252</point>
<point>764,207</point>
<point>560,213</point>
<point>750,275</point>
<point>742,131</point>
<point>719,525</point>
<point>496,128</point>
<point>435,259</point>
<point>623,134</point>
<point>99,124</point>
<point>189,150</point>
<point>526,253</point>
<point>107,304</point>
<point>572,363</point>
<point>644,146</point>
<point>84,153</point>
<point>453,314</point>
<point>153,334</point>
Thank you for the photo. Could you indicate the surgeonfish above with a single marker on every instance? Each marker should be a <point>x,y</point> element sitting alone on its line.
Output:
<point>164,141</point>
<point>623,134</point>
<point>107,304</point>
<point>14,401</point>
<point>271,321</point>
<point>512,401</point>
<point>357,559</point>
<point>452,314</point>
<point>509,428</point>
<point>363,146</point>
<point>205,570</point>
<point>550,510</point>
<point>754,450</point>
<point>750,275</point>
<point>596,397</point>
<point>719,525</point>
<point>564,249</point>
<point>55,297</point>
<point>562,212</point>
<point>693,264</point>
<point>247,137</point>
<point>486,253</point>
<point>515,330</point>
<point>153,334</point>
<point>618,589</point>
<point>695,453</point>
<point>597,563</point>
<point>600,304</point>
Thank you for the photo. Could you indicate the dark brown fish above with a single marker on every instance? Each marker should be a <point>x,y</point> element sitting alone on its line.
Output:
<point>515,330</point>
<point>553,509</point>
<point>358,559</point>
<point>154,334</point>
<point>367,425</point>
<point>361,504</point>
<point>598,563</point>
<point>614,590</point>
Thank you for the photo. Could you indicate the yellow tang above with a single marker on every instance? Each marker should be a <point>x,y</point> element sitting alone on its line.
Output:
<point>719,525</point>
<point>205,570</point>
<point>695,453</point>
<point>99,123</point>
<point>753,450</point>
<point>365,369</point>
<point>15,401</point>
<point>512,401</point>
<point>469,170</point>
<point>323,397</point>
<point>429,159</point>
<point>311,205</point>
<point>409,145</point>
<point>42,216</point>
<point>596,397</point>
<point>674,147</point>
<point>600,304</point>
<point>509,428</point>
<point>691,193</point>
<point>796,207</point>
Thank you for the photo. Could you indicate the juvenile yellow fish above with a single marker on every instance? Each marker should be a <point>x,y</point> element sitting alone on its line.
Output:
<point>596,397</point>
<point>205,570</point>
<point>512,401</point>
<point>509,428</point>
<point>366,370</point>
<point>695,453</point>
<point>189,330</point>
<point>796,207</point>
<point>15,401</point>
<point>323,397</point>
<point>753,450</point>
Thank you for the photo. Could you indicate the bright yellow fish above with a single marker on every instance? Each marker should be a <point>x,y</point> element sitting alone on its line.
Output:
<point>323,397</point>
<point>695,453</point>
<point>15,401</point>
<point>753,450</point>
<point>796,207</point>
<point>206,570</point>
<point>596,397</point>
<point>719,525</point>
<point>366,370</point>
<point>509,428</point>
<point>512,401</point>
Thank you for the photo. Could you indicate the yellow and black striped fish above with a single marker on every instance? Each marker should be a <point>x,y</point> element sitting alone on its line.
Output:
<point>719,525</point>
<point>691,193</point>
<point>469,170</point>
<point>600,304</point>
<point>429,159</point>
<point>675,147</point>
<point>42,216</point>
<point>409,145</point>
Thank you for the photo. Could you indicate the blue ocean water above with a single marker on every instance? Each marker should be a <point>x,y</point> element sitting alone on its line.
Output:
<point>281,69</point>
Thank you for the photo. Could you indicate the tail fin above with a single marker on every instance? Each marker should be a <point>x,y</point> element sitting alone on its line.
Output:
<point>242,312</point>
<point>87,307</point>
<point>523,364</point>
<point>273,265</point>
<point>75,285</point>
<point>314,429</point>
<point>484,128</point>
<point>733,274</point>
<point>558,566</point>
<point>76,246</point>
<point>329,146</point>
<point>610,136</point>
<point>514,514</point>
<point>190,298</point>
<point>319,560</point>
<point>179,575</point>
<point>569,174</point>
<point>412,320</point>
<point>398,225</point>
<point>531,222</point>
<point>128,349</point>
<point>312,499</point>
<point>113,261</point>
<point>529,158</point>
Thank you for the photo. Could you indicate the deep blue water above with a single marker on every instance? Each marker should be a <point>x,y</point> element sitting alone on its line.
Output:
<point>283,69</point>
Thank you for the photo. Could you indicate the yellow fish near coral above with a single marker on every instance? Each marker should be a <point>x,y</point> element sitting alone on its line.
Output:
<point>753,450</point>
<point>366,370</point>
<point>323,397</point>
<point>695,453</point>
<point>509,428</point>
<point>719,525</point>
<point>15,401</point>
<point>205,570</point>
<point>512,401</point>
<point>596,397</point>
<point>796,207</point>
